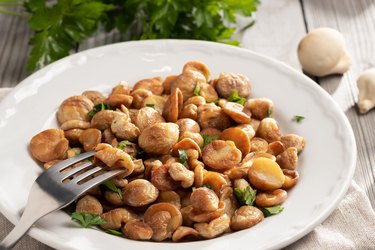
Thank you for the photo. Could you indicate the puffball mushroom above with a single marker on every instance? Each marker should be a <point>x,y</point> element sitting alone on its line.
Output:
<point>366,89</point>
<point>322,52</point>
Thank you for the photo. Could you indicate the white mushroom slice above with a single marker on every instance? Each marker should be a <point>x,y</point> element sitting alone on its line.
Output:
<point>366,88</point>
<point>322,52</point>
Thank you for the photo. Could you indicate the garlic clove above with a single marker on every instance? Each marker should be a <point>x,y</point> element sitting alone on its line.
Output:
<point>366,89</point>
<point>322,52</point>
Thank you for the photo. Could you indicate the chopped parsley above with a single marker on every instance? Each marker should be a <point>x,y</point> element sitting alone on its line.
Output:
<point>97,108</point>
<point>183,157</point>
<point>245,196</point>
<point>197,89</point>
<point>207,139</point>
<point>269,211</point>
<point>234,97</point>
<point>113,232</point>
<point>151,105</point>
<point>122,144</point>
<point>270,112</point>
<point>112,187</point>
<point>298,118</point>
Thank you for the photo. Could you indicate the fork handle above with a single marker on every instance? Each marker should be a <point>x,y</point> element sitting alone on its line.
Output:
<point>35,209</point>
<point>17,232</point>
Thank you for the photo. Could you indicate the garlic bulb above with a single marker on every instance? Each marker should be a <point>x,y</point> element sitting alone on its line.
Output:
<point>366,88</point>
<point>322,52</point>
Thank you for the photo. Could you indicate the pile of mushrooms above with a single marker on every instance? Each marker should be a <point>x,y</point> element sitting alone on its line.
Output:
<point>189,145</point>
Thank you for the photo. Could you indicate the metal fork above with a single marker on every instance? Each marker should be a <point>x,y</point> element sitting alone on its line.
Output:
<point>50,193</point>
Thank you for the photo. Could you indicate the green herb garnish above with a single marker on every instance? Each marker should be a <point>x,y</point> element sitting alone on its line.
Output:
<point>269,211</point>
<point>298,118</point>
<point>61,26</point>
<point>207,139</point>
<point>207,185</point>
<point>87,220</point>
<point>97,108</point>
<point>151,105</point>
<point>270,112</point>
<point>197,89</point>
<point>112,187</point>
<point>122,144</point>
<point>113,232</point>
<point>183,157</point>
<point>245,196</point>
<point>216,102</point>
<point>234,97</point>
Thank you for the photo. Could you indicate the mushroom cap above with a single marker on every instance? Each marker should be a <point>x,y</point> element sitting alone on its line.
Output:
<point>322,52</point>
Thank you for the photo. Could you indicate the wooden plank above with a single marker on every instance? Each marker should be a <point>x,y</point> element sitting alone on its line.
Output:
<point>278,28</point>
<point>13,49</point>
<point>356,21</point>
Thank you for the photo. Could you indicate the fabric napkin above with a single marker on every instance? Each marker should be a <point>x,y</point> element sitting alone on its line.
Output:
<point>350,226</point>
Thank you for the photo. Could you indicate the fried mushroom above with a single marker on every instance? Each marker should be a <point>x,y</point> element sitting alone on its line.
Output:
<point>49,145</point>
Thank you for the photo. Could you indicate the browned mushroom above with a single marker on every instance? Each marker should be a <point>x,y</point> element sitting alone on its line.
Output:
<point>139,192</point>
<point>236,112</point>
<point>159,138</point>
<point>137,230</point>
<point>138,97</point>
<point>89,204</point>
<point>162,180</point>
<point>74,108</point>
<point>239,137</point>
<point>146,117</point>
<point>117,217</point>
<point>260,108</point>
<point>212,116</point>
<point>245,217</point>
<point>288,159</point>
<point>185,233</point>
<point>95,96</point>
<point>187,124</point>
<point>90,138</point>
<point>121,88</point>
<point>228,82</point>
<point>164,218</point>
<point>187,82</point>
<point>104,118</point>
<point>124,130</point>
<point>170,197</point>
<point>293,140</point>
<point>197,66</point>
<point>213,228</point>
<point>49,145</point>
<point>173,105</point>
<point>265,174</point>
<point>269,130</point>
<point>221,155</point>
<point>116,100</point>
<point>204,200</point>
<point>155,85</point>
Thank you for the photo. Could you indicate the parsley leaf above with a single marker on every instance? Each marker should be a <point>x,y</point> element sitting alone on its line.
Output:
<point>60,27</point>
<point>113,232</point>
<point>207,185</point>
<point>197,89</point>
<point>298,118</point>
<point>234,97</point>
<point>183,157</point>
<point>207,139</point>
<point>87,220</point>
<point>151,105</point>
<point>269,211</point>
<point>97,108</point>
<point>245,196</point>
<point>112,187</point>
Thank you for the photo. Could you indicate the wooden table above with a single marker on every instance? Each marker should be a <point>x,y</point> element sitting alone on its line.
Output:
<point>280,24</point>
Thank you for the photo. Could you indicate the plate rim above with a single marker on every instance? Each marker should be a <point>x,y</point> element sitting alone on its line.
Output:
<point>38,233</point>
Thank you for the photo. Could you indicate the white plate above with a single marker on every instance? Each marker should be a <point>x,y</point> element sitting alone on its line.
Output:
<point>326,166</point>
